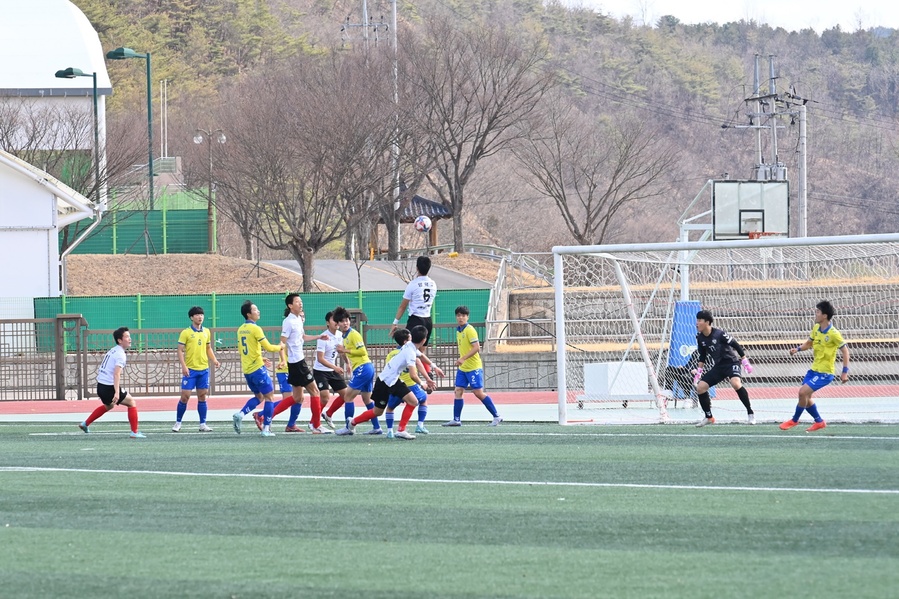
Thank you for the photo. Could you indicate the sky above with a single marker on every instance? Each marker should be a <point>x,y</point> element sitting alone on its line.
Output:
<point>791,15</point>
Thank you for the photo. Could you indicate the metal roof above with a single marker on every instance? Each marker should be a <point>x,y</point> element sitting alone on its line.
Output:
<point>71,206</point>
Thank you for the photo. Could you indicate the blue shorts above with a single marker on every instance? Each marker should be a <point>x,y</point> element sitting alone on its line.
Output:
<point>472,378</point>
<point>195,379</point>
<point>283,385</point>
<point>259,382</point>
<point>817,380</point>
<point>420,395</point>
<point>363,378</point>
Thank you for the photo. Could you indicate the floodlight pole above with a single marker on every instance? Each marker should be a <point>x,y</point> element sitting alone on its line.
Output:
<point>71,73</point>
<point>122,54</point>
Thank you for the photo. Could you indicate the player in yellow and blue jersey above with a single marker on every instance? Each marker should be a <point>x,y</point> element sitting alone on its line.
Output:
<point>251,341</point>
<point>470,369</point>
<point>363,378</point>
<point>194,354</point>
<point>824,340</point>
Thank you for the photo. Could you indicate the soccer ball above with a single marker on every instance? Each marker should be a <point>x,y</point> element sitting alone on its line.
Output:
<point>422,224</point>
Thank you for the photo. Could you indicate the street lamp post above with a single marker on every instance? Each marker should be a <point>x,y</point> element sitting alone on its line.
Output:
<point>71,73</point>
<point>125,53</point>
<point>205,136</point>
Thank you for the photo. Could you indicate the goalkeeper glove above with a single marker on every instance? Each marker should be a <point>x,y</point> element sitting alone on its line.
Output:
<point>746,365</point>
<point>698,375</point>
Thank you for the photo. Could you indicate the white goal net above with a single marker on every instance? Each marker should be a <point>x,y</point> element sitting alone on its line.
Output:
<point>626,326</point>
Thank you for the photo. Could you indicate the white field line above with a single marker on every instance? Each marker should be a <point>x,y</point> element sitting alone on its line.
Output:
<point>226,429</point>
<point>451,481</point>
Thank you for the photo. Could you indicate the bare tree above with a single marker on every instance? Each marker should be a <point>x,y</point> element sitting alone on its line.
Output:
<point>305,151</point>
<point>475,83</point>
<point>592,169</point>
<point>59,139</point>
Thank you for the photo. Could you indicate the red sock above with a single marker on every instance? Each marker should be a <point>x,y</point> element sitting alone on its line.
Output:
<point>95,414</point>
<point>335,405</point>
<point>363,417</point>
<point>404,419</point>
<point>132,418</point>
<point>427,368</point>
<point>283,405</point>
<point>315,402</point>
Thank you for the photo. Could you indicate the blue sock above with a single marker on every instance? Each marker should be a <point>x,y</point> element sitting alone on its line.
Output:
<point>388,416</point>
<point>201,410</point>
<point>798,413</point>
<point>274,405</point>
<point>457,408</point>
<point>813,410</point>
<point>374,421</point>
<point>422,412</point>
<point>182,407</point>
<point>249,406</point>
<point>488,403</point>
<point>294,414</point>
<point>349,410</point>
<point>267,409</point>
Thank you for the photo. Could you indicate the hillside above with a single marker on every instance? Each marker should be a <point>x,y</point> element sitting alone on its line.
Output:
<point>685,84</point>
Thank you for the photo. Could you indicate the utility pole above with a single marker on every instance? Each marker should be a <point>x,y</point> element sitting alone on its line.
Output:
<point>377,29</point>
<point>766,109</point>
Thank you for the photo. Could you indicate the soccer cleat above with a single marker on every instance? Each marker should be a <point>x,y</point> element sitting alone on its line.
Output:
<point>390,434</point>
<point>84,428</point>
<point>176,427</point>
<point>496,421</point>
<point>452,423</point>
<point>788,425</point>
<point>204,428</point>
<point>293,429</point>
<point>751,418</point>
<point>320,431</point>
<point>705,422</point>
<point>404,435</point>
<point>237,418</point>
<point>344,431</point>
<point>422,430</point>
<point>375,431</point>
<point>816,427</point>
<point>267,434</point>
<point>260,419</point>
<point>326,420</point>
<point>138,435</point>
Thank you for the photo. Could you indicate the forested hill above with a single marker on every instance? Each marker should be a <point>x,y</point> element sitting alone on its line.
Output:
<point>685,84</point>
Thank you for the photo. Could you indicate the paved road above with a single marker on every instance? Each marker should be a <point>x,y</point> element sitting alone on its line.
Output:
<point>380,275</point>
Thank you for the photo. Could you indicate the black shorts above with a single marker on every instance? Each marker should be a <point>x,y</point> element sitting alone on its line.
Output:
<point>298,374</point>
<point>328,379</point>
<point>107,394</point>
<point>719,372</point>
<point>381,393</point>
<point>426,322</point>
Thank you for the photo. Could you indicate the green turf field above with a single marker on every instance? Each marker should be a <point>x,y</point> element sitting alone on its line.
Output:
<point>516,511</point>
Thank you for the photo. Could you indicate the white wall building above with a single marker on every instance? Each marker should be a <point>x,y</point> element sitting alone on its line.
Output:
<point>37,39</point>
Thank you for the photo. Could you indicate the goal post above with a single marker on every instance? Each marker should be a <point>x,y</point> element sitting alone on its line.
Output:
<point>625,325</point>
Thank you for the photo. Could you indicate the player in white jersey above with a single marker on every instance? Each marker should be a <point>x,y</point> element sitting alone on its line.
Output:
<point>109,384</point>
<point>327,372</point>
<point>418,300</point>
<point>389,383</point>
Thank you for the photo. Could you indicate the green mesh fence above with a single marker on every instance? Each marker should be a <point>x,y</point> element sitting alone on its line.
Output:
<point>223,310</point>
<point>122,232</point>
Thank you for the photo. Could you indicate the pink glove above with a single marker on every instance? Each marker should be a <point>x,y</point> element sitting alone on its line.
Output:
<point>746,365</point>
<point>697,376</point>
